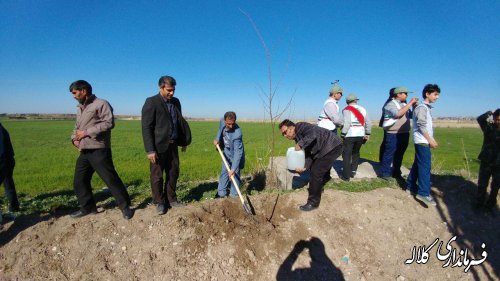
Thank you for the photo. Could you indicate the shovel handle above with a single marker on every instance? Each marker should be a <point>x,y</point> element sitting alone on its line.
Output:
<point>232,177</point>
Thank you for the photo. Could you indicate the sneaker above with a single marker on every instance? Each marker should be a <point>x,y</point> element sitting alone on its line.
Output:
<point>176,204</point>
<point>82,212</point>
<point>127,213</point>
<point>160,209</point>
<point>427,200</point>
<point>410,192</point>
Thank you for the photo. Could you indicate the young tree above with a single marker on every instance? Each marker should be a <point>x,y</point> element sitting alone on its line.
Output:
<point>272,110</point>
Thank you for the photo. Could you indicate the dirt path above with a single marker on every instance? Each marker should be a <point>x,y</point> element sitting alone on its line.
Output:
<point>352,236</point>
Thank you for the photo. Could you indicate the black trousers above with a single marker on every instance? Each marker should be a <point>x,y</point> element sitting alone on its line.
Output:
<point>100,161</point>
<point>487,171</point>
<point>6,177</point>
<point>350,156</point>
<point>168,162</point>
<point>320,173</point>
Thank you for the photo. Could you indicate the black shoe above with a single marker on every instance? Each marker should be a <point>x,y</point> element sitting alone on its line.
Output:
<point>160,209</point>
<point>127,213</point>
<point>399,177</point>
<point>307,207</point>
<point>13,209</point>
<point>344,178</point>
<point>353,174</point>
<point>82,213</point>
<point>176,204</point>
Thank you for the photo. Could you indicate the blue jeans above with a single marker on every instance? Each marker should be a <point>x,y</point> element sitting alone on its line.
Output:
<point>224,182</point>
<point>393,152</point>
<point>421,171</point>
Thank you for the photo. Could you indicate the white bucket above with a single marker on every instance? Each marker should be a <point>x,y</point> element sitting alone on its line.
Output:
<point>295,159</point>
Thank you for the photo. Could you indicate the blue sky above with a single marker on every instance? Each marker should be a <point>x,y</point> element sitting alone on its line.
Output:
<point>211,48</point>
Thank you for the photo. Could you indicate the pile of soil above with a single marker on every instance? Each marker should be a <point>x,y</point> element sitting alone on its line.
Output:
<point>351,236</point>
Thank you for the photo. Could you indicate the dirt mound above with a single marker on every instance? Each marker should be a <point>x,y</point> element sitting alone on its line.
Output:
<point>352,236</point>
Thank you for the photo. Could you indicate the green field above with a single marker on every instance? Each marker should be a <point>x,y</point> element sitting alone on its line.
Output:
<point>45,158</point>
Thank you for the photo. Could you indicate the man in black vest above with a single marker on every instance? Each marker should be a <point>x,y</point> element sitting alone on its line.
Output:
<point>161,135</point>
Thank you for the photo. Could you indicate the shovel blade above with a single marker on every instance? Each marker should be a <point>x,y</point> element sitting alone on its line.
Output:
<point>247,208</point>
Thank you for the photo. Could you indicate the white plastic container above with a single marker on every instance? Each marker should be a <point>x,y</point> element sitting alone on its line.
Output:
<point>295,159</point>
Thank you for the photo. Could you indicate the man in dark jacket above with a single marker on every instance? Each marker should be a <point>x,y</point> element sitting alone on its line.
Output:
<point>162,135</point>
<point>490,160</point>
<point>321,148</point>
<point>7,164</point>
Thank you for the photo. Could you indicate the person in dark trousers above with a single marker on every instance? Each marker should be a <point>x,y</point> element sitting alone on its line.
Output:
<point>92,137</point>
<point>355,132</point>
<point>490,160</point>
<point>396,125</point>
<point>230,140</point>
<point>380,124</point>
<point>7,164</point>
<point>321,148</point>
<point>161,132</point>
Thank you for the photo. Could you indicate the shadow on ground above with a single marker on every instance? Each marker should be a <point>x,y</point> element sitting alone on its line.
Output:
<point>46,207</point>
<point>57,204</point>
<point>321,267</point>
<point>472,227</point>
<point>257,182</point>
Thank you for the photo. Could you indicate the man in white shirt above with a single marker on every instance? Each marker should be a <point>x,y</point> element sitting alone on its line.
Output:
<point>355,131</point>
<point>330,116</point>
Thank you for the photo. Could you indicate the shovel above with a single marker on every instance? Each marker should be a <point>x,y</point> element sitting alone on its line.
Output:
<point>246,207</point>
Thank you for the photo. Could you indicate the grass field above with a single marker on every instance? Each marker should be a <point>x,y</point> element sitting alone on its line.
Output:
<point>45,158</point>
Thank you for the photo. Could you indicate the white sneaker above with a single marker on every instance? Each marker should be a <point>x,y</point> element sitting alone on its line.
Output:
<point>427,200</point>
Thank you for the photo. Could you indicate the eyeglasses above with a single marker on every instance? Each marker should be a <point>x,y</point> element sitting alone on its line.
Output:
<point>283,133</point>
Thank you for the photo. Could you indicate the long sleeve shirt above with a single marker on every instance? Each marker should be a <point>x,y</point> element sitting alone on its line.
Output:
<point>95,117</point>
<point>352,127</point>
<point>333,112</point>
<point>315,141</point>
